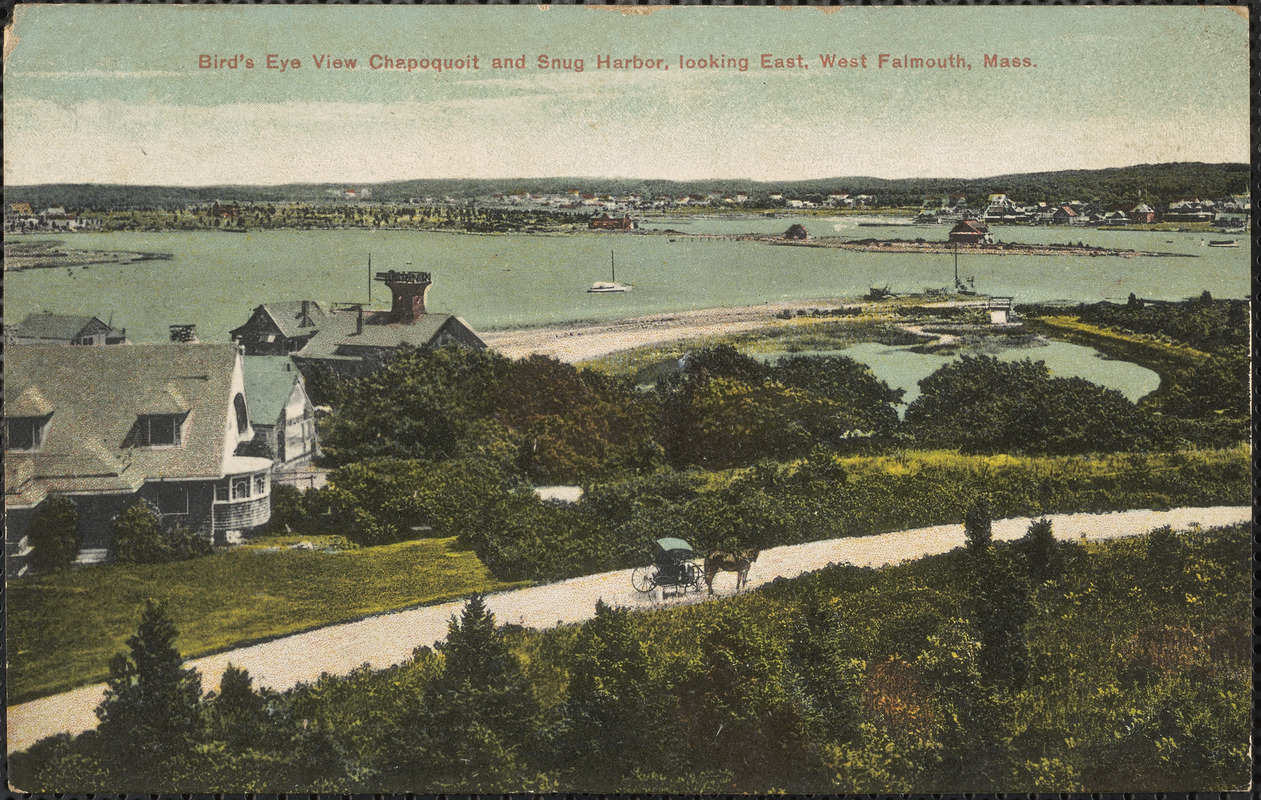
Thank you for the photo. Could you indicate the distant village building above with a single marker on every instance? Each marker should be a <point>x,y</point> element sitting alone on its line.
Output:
<point>353,341</point>
<point>970,232</point>
<point>1143,214</point>
<point>281,413</point>
<point>608,222</point>
<point>107,426</point>
<point>46,328</point>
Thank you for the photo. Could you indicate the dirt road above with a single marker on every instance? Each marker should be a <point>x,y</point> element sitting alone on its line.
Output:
<point>390,638</point>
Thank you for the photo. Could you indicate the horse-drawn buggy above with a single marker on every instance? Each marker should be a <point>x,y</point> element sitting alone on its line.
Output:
<point>674,566</point>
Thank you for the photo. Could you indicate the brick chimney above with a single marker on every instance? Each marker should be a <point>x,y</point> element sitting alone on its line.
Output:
<point>408,289</point>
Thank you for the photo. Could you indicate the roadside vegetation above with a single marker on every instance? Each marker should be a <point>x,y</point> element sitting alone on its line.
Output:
<point>1035,665</point>
<point>65,626</point>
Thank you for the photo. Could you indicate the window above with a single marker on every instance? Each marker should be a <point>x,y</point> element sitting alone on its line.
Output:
<point>160,430</point>
<point>242,419</point>
<point>260,485</point>
<point>241,488</point>
<point>24,433</point>
<point>222,492</point>
<point>172,500</point>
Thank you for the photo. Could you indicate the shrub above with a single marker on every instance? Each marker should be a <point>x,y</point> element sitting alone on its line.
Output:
<point>138,538</point>
<point>54,535</point>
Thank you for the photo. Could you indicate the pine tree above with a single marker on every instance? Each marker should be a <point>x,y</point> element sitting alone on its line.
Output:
<point>614,719</point>
<point>150,717</point>
<point>480,714</point>
<point>976,526</point>
<point>235,714</point>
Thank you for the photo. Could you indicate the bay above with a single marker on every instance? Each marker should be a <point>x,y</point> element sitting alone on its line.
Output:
<point>503,281</point>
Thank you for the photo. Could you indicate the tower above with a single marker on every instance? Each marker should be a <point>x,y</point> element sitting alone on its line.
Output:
<point>408,290</point>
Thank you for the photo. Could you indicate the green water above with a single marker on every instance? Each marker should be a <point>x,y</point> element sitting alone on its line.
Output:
<point>215,279</point>
<point>902,368</point>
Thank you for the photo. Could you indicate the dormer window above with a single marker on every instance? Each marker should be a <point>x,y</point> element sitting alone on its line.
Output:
<point>160,430</point>
<point>25,434</point>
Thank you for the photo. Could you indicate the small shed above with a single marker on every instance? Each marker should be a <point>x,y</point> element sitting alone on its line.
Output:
<point>797,233</point>
<point>970,232</point>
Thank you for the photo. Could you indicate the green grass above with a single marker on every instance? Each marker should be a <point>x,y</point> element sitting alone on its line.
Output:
<point>63,629</point>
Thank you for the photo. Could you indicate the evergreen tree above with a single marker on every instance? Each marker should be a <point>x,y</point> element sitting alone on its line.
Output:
<point>976,526</point>
<point>150,717</point>
<point>614,720</point>
<point>478,715</point>
<point>1044,557</point>
<point>235,714</point>
<point>54,535</point>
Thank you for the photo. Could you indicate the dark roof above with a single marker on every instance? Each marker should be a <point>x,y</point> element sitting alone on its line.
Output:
<point>269,382</point>
<point>970,226</point>
<point>338,335</point>
<point>96,394</point>
<point>55,326</point>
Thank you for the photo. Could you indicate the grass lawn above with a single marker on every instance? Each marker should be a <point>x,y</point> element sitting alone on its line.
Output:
<point>63,629</point>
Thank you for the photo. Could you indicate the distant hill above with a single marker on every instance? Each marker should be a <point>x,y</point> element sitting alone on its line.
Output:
<point>1152,183</point>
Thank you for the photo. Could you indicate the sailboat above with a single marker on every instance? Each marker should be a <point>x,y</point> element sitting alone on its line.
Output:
<point>605,287</point>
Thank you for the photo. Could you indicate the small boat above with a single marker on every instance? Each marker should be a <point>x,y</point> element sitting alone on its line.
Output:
<point>234,230</point>
<point>608,287</point>
<point>1223,243</point>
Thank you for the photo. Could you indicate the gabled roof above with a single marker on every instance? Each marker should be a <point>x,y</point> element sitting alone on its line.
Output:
<point>56,326</point>
<point>269,382</point>
<point>338,336</point>
<point>288,317</point>
<point>97,394</point>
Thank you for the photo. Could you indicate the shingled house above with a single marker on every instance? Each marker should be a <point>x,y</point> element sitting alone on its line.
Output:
<point>353,340</point>
<point>281,413</point>
<point>46,328</point>
<point>106,426</point>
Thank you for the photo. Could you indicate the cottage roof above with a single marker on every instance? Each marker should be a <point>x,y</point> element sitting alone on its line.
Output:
<point>96,395</point>
<point>289,318</point>
<point>970,226</point>
<point>340,336</point>
<point>269,382</point>
<point>55,326</point>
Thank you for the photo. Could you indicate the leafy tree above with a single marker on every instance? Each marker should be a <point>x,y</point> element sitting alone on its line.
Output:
<point>150,717</point>
<point>982,405</point>
<point>54,535</point>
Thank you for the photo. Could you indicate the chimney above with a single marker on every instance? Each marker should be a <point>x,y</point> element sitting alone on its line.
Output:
<point>305,320</point>
<point>183,334</point>
<point>408,289</point>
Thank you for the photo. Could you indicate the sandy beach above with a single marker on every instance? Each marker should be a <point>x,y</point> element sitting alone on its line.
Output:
<point>584,341</point>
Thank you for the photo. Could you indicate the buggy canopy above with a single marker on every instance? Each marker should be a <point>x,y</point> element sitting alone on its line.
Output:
<point>669,544</point>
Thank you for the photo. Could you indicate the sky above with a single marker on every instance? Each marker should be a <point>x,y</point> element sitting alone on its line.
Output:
<point>117,94</point>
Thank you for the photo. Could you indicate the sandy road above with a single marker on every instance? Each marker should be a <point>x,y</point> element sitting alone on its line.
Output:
<point>390,638</point>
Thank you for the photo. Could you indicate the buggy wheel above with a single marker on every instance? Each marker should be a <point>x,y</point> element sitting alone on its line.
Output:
<point>694,576</point>
<point>644,579</point>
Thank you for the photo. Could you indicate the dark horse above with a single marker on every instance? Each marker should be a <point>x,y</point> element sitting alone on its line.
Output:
<point>739,562</point>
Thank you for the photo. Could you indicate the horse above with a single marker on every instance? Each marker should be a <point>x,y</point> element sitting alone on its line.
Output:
<point>739,562</point>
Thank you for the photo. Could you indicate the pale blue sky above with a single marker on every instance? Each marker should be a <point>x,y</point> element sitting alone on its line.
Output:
<point>113,94</point>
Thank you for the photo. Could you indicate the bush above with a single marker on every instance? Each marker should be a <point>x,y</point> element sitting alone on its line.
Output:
<point>54,535</point>
<point>137,537</point>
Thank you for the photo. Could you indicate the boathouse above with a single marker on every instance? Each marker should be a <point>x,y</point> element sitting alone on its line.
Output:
<point>970,232</point>
<point>797,233</point>
<point>610,223</point>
